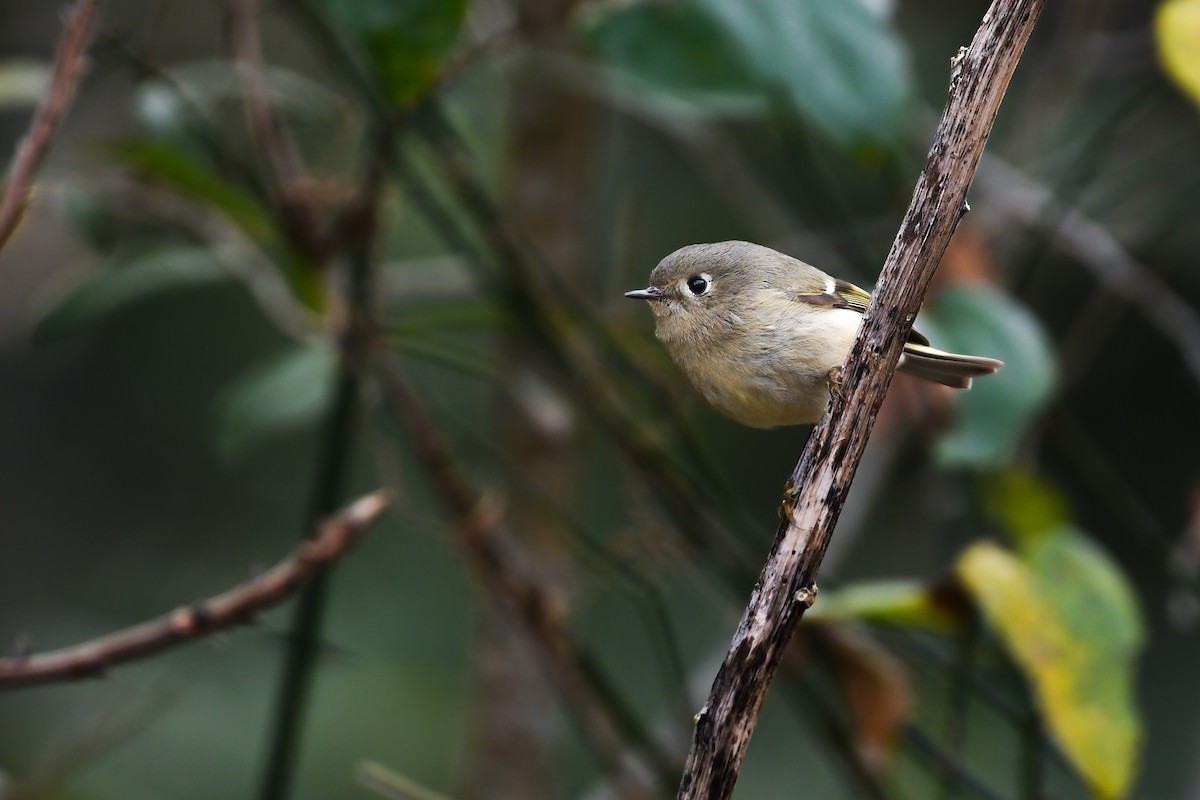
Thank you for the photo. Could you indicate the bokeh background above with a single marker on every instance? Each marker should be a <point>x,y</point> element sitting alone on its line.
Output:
<point>202,352</point>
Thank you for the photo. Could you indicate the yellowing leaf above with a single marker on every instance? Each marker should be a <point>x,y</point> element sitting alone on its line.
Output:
<point>1073,628</point>
<point>1177,36</point>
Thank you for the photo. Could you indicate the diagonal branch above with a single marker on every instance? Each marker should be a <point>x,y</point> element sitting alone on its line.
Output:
<point>69,66</point>
<point>786,587</point>
<point>238,606</point>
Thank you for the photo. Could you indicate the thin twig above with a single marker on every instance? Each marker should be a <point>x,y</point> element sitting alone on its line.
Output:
<point>1033,764</point>
<point>594,389</point>
<point>238,606</point>
<point>959,704</point>
<point>923,745</point>
<point>393,785</point>
<point>69,66</point>
<point>282,156</point>
<point>786,587</point>
<point>485,540</point>
<point>1096,249</point>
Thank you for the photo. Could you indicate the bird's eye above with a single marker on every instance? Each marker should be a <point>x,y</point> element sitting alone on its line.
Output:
<point>697,285</point>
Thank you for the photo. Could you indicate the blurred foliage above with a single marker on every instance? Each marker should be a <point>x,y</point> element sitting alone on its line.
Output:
<point>1177,35</point>
<point>840,65</point>
<point>236,267</point>
<point>992,418</point>
<point>1067,616</point>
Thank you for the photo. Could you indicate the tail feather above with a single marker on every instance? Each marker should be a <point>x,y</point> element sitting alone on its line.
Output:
<point>948,369</point>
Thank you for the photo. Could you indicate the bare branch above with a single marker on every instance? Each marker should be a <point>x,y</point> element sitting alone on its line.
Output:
<point>69,66</point>
<point>786,587</point>
<point>238,606</point>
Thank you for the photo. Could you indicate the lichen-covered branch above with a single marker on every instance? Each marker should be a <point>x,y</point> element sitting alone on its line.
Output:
<point>786,588</point>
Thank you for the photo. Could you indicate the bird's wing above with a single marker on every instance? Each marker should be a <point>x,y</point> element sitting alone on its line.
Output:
<point>847,295</point>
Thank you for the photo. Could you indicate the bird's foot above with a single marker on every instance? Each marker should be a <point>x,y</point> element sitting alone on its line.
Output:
<point>833,379</point>
<point>785,505</point>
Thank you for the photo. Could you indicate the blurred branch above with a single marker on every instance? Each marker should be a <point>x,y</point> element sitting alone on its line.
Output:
<point>1098,251</point>
<point>923,745</point>
<point>590,380</point>
<point>786,587</point>
<point>350,324</point>
<point>69,66</point>
<point>488,545</point>
<point>392,784</point>
<point>282,157</point>
<point>958,703</point>
<point>238,606</point>
<point>1033,748</point>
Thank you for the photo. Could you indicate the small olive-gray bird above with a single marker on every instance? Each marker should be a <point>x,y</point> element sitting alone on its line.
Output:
<point>763,336</point>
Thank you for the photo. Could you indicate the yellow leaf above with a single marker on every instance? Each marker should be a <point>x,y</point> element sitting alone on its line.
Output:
<point>1177,36</point>
<point>1073,629</point>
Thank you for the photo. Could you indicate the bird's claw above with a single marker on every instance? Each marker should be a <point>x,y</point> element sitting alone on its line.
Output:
<point>785,506</point>
<point>833,379</point>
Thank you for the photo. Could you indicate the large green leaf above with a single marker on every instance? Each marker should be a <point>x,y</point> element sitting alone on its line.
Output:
<point>838,64</point>
<point>991,417</point>
<point>1071,623</point>
<point>406,40</point>
<point>150,273</point>
<point>281,395</point>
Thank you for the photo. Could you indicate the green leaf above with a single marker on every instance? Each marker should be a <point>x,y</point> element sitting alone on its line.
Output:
<point>1071,623</point>
<point>281,395</point>
<point>129,282</point>
<point>1177,38</point>
<point>406,40</point>
<point>23,83</point>
<point>895,602</point>
<point>178,170</point>
<point>991,417</point>
<point>839,65</point>
<point>677,50</point>
<point>1028,506</point>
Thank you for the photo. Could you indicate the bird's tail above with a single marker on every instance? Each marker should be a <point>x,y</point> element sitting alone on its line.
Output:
<point>948,369</point>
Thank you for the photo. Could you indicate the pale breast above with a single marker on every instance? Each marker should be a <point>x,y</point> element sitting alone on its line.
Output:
<point>774,374</point>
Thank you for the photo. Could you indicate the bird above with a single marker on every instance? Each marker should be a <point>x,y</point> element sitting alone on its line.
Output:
<point>762,336</point>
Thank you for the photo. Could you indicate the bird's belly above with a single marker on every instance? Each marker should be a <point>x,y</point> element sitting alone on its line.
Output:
<point>764,392</point>
<point>777,374</point>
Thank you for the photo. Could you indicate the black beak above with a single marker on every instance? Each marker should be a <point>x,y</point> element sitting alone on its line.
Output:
<point>652,293</point>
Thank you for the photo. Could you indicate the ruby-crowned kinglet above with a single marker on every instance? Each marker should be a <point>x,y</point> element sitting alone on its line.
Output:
<point>763,336</point>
